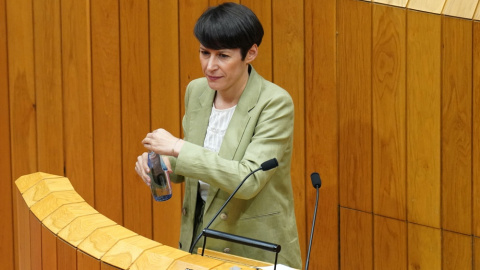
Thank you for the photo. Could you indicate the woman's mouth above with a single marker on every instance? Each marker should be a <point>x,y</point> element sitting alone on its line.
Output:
<point>213,78</point>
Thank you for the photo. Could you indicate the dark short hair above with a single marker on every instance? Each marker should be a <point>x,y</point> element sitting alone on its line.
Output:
<point>229,26</point>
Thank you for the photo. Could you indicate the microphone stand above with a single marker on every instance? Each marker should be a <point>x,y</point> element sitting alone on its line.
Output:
<point>317,183</point>
<point>221,208</point>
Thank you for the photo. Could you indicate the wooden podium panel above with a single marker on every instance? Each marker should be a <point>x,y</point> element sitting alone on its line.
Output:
<point>57,229</point>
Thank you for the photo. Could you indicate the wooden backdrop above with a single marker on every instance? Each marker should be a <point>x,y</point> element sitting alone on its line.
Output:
<point>387,98</point>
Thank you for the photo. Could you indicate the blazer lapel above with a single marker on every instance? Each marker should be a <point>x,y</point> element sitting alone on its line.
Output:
<point>237,125</point>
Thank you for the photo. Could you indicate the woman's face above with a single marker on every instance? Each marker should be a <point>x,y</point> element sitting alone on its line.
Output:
<point>224,69</point>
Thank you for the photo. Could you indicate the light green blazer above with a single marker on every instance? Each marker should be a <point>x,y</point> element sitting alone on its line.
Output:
<point>261,128</point>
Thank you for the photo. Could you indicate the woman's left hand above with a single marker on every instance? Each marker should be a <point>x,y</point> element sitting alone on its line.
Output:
<point>160,141</point>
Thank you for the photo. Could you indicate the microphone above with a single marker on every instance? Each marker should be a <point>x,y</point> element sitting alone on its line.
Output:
<point>265,166</point>
<point>317,183</point>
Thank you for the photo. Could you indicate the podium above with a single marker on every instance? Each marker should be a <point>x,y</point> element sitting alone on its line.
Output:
<point>57,229</point>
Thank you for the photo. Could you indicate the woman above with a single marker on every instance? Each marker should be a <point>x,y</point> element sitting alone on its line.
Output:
<point>234,121</point>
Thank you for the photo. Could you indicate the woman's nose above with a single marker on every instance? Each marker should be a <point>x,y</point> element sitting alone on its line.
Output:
<point>212,63</point>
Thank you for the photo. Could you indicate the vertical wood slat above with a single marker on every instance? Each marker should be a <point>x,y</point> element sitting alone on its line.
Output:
<point>107,133</point>
<point>165,106</point>
<point>22,233</point>
<point>21,103</point>
<point>356,238</point>
<point>48,86</point>
<point>321,130</point>
<point>49,249</point>
<point>476,254</point>
<point>288,59</point>
<point>76,57</point>
<point>189,11</point>
<point>86,262</point>
<point>390,243</point>
<point>66,255</point>
<point>35,241</point>
<point>388,87</point>
<point>137,203</point>
<point>263,62</point>
<point>6,198</point>
<point>423,118</point>
<point>476,129</point>
<point>457,125</point>
<point>21,87</point>
<point>354,93</point>
<point>457,251</point>
<point>424,247</point>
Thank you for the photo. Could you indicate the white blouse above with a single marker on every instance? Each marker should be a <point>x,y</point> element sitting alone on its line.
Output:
<point>217,126</point>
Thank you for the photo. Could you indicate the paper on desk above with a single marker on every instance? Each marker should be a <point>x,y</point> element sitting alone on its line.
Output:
<point>279,267</point>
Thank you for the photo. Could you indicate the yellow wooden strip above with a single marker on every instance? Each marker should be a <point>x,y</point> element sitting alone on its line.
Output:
<point>398,3</point>
<point>432,6</point>
<point>389,243</point>
<point>196,262</point>
<point>158,258</point>
<point>27,181</point>
<point>424,247</point>
<point>423,118</point>
<point>53,201</point>
<point>477,13</point>
<point>80,228</point>
<point>45,187</point>
<point>102,239</point>
<point>66,214</point>
<point>356,238</point>
<point>388,87</point>
<point>476,130</point>
<point>460,8</point>
<point>456,138</point>
<point>126,251</point>
<point>458,249</point>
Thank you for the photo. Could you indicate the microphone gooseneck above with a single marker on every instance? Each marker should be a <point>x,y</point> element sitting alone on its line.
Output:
<point>317,183</point>
<point>265,166</point>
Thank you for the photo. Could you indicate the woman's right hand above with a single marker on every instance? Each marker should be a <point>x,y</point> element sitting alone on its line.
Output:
<point>141,167</point>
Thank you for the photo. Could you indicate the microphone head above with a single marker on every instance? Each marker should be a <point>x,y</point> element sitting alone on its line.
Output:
<point>316,181</point>
<point>269,164</point>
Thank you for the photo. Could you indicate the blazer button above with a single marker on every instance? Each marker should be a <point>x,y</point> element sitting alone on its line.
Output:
<point>184,211</point>
<point>223,216</point>
<point>226,250</point>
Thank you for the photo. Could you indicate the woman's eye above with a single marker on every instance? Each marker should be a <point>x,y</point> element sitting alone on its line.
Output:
<point>223,55</point>
<point>204,53</point>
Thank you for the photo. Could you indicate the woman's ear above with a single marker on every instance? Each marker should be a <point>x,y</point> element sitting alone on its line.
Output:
<point>251,54</point>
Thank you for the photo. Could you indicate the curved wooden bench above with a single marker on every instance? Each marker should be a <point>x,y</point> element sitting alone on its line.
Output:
<point>57,229</point>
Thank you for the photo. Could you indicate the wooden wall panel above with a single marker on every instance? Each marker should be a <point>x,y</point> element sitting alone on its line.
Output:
<point>457,251</point>
<point>134,48</point>
<point>49,249</point>
<point>106,91</point>
<point>48,86</point>
<point>22,233</point>
<point>398,3</point>
<point>476,129</point>
<point>263,62</point>
<point>388,87</point>
<point>6,198</point>
<point>356,239</point>
<point>321,133</point>
<point>165,106</point>
<point>35,242</point>
<point>476,249</point>
<point>66,255</point>
<point>389,244</point>
<point>288,59</point>
<point>21,86</point>
<point>424,247</point>
<point>77,90</point>
<point>86,262</point>
<point>355,103</point>
<point>423,118</point>
<point>189,11</point>
<point>457,125</point>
